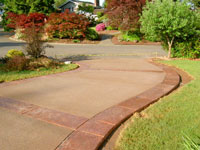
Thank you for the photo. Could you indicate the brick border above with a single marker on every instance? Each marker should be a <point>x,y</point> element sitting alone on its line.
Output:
<point>91,134</point>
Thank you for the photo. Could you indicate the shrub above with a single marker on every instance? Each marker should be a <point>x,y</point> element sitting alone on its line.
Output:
<point>169,21</point>
<point>14,52</point>
<point>34,46</point>
<point>67,25</point>
<point>42,62</point>
<point>91,34</point>
<point>187,49</point>
<point>100,14</point>
<point>26,21</point>
<point>100,27</point>
<point>110,28</point>
<point>131,36</point>
<point>16,63</point>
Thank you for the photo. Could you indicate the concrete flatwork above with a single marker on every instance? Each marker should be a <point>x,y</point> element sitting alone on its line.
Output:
<point>18,132</point>
<point>88,91</point>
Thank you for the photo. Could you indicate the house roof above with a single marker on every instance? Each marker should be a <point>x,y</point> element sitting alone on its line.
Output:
<point>73,1</point>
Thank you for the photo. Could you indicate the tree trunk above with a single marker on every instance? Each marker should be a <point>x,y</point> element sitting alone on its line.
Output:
<point>169,50</point>
<point>170,46</point>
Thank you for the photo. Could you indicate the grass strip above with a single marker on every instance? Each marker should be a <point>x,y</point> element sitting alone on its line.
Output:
<point>163,125</point>
<point>19,75</point>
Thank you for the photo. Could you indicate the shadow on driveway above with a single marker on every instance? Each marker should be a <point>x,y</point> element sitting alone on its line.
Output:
<point>76,58</point>
<point>5,44</point>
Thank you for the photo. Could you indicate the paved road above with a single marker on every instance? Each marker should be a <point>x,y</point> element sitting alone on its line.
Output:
<point>82,52</point>
<point>40,113</point>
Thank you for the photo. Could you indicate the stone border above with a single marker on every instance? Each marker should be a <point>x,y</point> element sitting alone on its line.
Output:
<point>91,134</point>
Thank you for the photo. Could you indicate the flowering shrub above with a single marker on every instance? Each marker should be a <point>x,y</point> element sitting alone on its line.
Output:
<point>67,25</point>
<point>26,21</point>
<point>100,27</point>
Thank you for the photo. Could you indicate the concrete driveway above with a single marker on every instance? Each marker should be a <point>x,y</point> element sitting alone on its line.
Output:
<point>39,113</point>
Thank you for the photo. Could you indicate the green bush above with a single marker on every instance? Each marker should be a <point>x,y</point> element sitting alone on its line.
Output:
<point>92,34</point>
<point>100,14</point>
<point>14,52</point>
<point>131,36</point>
<point>168,21</point>
<point>187,49</point>
<point>110,28</point>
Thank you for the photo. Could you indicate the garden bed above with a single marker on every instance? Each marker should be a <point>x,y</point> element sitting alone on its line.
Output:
<point>72,41</point>
<point>116,41</point>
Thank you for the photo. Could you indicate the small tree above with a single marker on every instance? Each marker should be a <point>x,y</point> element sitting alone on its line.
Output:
<point>167,21</point>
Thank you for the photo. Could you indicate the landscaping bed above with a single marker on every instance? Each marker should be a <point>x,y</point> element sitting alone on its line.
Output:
<point>173,122</point>
<point>72,41</point>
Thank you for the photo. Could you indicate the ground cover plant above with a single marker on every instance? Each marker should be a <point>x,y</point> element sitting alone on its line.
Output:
<point>173,122</point>
<point>173,23</point>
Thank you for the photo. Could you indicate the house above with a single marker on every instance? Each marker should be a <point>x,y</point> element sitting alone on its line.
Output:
<point>72,5</point>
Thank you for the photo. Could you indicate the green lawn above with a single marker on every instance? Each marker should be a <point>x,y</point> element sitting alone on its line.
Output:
<point>18,75</point>
<point>166,122</point>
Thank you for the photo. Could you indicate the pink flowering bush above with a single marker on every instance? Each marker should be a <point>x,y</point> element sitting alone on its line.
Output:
<point>100,27</point>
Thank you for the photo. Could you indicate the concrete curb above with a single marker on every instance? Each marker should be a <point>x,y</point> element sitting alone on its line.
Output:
<point>91,134</point>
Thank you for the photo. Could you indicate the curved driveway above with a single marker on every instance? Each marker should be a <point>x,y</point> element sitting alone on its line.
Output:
<point>40,113</point>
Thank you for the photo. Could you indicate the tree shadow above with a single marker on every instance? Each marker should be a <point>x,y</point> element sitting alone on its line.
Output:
<point>76,58</point>
<point>5,44</point>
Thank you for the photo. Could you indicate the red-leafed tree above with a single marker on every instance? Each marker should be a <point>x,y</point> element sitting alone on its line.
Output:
<point>24,21</point>
<point>124,14</point>
<point>67,25</point>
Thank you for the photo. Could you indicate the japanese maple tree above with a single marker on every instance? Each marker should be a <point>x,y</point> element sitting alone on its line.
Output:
<point>124,14</point>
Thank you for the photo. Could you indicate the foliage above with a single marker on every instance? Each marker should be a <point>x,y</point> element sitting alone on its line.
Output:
<point>100,14</point>
<point>67,25</point>
<point>161,126</point>
<point>91,34</point>
<point>196,3</point>
<point>86,8</point>
<point>100,27</point>
<point>34,46</point>
<point>187,49</point>
<point>168,21</point>
<point>25,7</point>
<point>14,52</point>
<point>110,28</point>
<point>124,14</point>
<point>76,41</point>
<point>16,63</point>
<point>58,3</point>
<point>29,6</point>
<point>24,21</point>
<point>131,36</point>
<point>42,62</point>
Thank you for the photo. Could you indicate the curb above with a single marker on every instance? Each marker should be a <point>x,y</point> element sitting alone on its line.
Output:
<point>91,134</point>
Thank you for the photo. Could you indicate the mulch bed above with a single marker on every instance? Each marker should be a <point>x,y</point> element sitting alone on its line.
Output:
<point>143,42</point>
<point>71,41</point>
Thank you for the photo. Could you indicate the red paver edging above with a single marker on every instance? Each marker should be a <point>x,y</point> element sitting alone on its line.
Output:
<point>48,115</point>
<point>91,134</point>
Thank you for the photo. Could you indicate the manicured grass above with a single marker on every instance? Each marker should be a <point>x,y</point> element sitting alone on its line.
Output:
<point>18,75</point>
<point>163,125</point>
